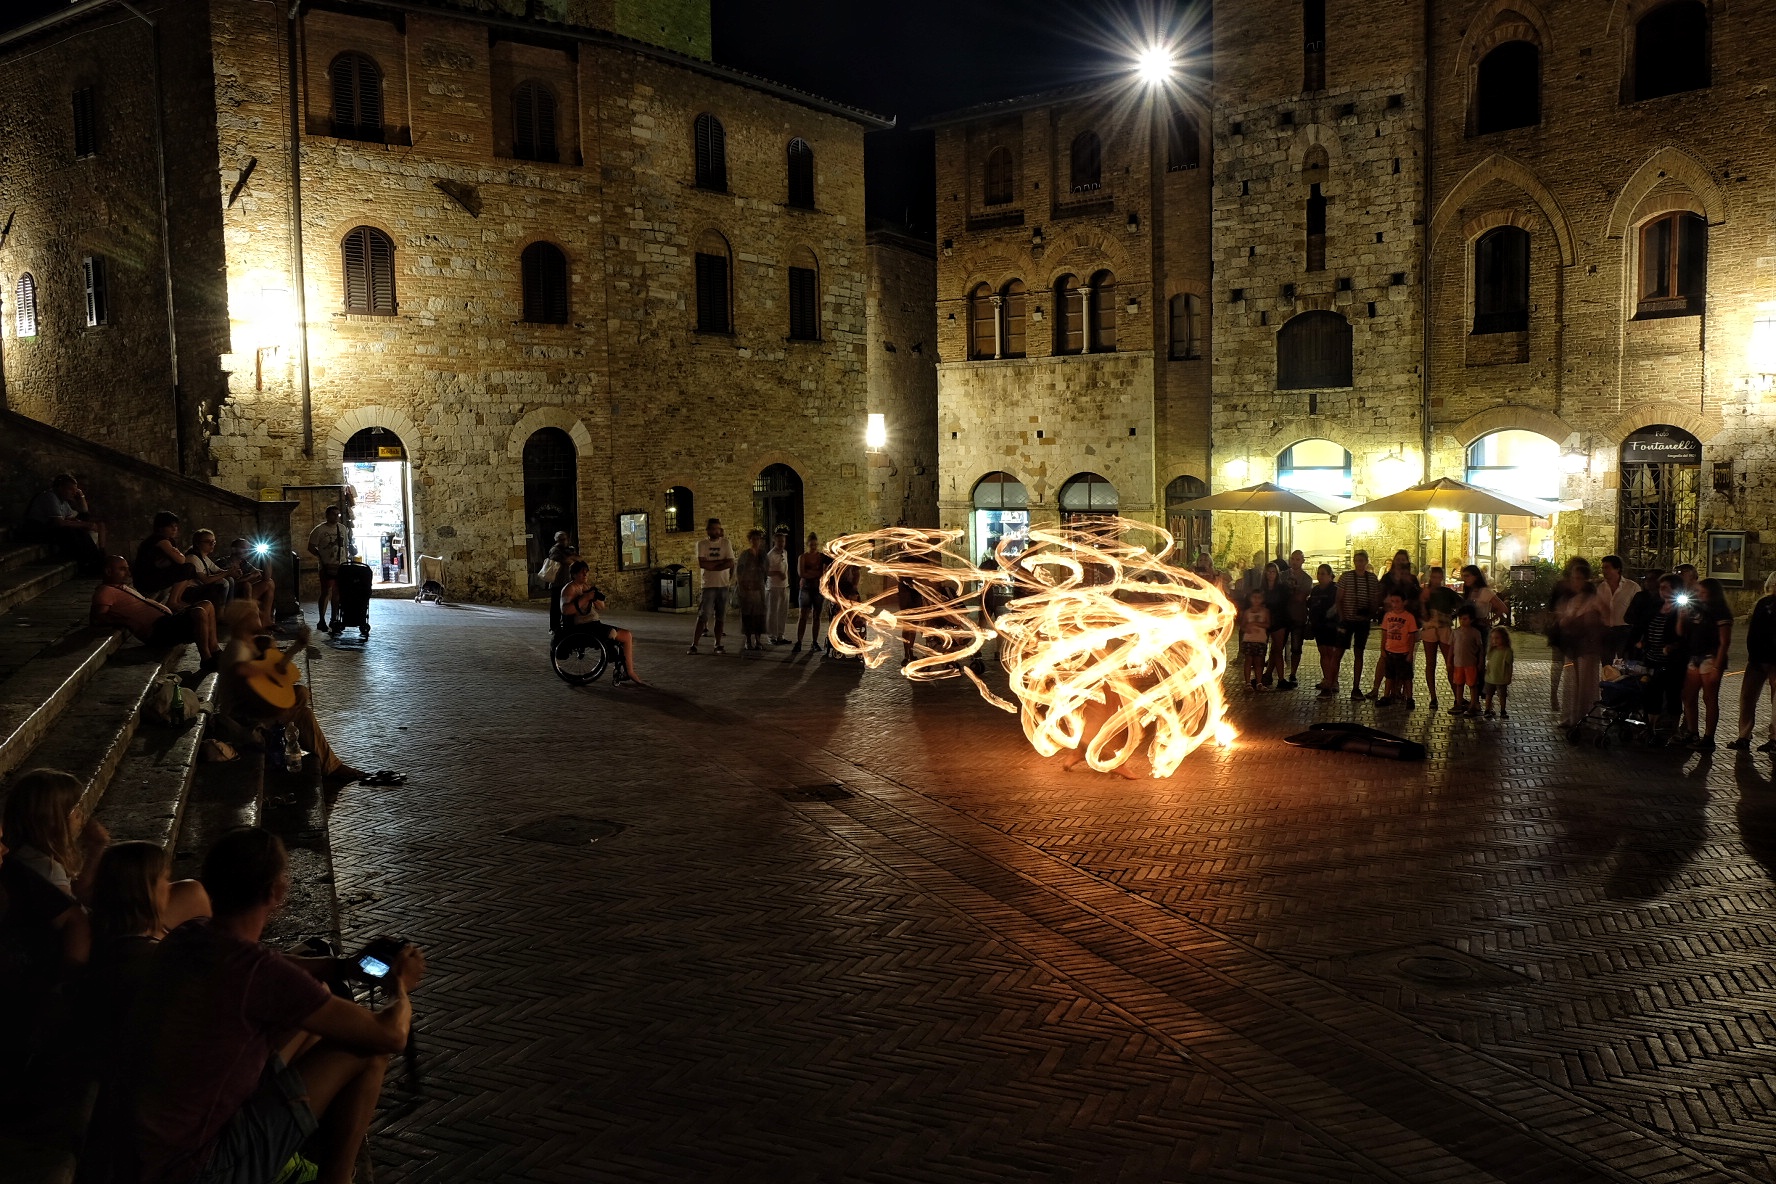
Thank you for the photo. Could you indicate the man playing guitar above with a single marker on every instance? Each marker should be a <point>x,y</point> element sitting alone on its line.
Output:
<point>258,684</point>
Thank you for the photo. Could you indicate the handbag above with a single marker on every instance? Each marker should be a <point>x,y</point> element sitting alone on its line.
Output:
<point>549,570</point>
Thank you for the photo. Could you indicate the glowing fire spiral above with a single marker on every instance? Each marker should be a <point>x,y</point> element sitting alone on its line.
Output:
<point>1109,649</point>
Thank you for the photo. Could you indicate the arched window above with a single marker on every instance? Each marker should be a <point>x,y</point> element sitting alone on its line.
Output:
<point>714,287</point>
<point>1508,88</point>
<point>357,97</point>
<point>1313,45</point>
<point>1013,303</point>
<point>1316,166</point>
<point>1671,50</point>
<point>1001,514</point>
<point>983,324</point>
<point>1186,310</point>
<point>1314,351</point>
<point>712,154</point>
<point>533,122</point>
<point>544,269</point>
<point>801,174</point>
<point>1183,141</point>
<point>1087,495</point>
<point>804,296</point>
<point>1501,281</point>
<point>680,517</point>
<point>1673,265</point>
<point>1103,312</point>
<point>25,314</point>
<point>1086,171</point>
<point>369,271</point>
<point>997,190</point>
<point>1069,314</point>
<point>1316,466</point>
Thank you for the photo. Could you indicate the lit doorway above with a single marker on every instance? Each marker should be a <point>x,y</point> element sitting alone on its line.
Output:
<point>1316,466</point>
<point>1001,512</point>
<point>777,501</point>
<point>1189,528</point>
<point>1516,463</point>
<point>379,504</point>
<point>551,498</point>
<point>1657,523</point>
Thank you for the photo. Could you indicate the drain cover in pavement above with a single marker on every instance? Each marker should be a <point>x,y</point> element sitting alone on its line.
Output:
<point>816,793</point>
<point>569,830</point>
<point>1434,969</point>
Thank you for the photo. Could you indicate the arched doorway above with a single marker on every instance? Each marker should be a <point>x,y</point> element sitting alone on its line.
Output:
<point>551,497</point>
<point>1189,528</point>
<point>1001,511</point>
<point>776,501</point>
<point>381,503</point>
<point>1087,495</point>
<point>1315,466</point>
<point>1657,519</point>
<point>1522,464</point>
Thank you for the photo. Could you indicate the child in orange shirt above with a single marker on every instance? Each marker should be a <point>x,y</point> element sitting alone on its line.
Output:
<point>1399,629</point>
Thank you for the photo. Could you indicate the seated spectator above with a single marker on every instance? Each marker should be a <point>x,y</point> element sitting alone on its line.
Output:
<point>60,517</point>
<point>214,1086</point>
<point>213,583</point>
<point>162,571</point>
<point>251,582</point>
<point>244,715</point>
<point>48,875</point>
<point>116,604</point>
<point>581,603</point>
<point>134,904</point>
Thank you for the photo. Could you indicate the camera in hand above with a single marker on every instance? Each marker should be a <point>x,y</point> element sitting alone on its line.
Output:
<point>375,963</point>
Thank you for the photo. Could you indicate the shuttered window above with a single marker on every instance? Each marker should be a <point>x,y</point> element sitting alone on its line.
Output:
<point>86,122</point>
<point>1086,170</point>
<point>1103,312</point>
<point>804,304</point>
<point>998,182</point>
<point>712,155</point>
<point>1314,351</point>
<point>1069,314</point>
<point>369,272</point>
<point>712,294</point>
<point>98,299</point>
<point>544,269</point>
<point>357,97</point>
<point>801,174</point>
<point>1015,305</point>
<point>533,123</point>
<point>1183,141</point>
<point>25,314</point>
<point>983,324</point>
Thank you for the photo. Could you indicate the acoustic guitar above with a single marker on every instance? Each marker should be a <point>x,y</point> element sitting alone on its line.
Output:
<point>273,676</point>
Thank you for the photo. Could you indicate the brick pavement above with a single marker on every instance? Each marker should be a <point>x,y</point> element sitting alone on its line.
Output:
<point>1519,961</point>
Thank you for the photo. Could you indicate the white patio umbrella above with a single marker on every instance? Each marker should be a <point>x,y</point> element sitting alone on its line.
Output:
<point>1269,498</point>
<point>1446,495</point>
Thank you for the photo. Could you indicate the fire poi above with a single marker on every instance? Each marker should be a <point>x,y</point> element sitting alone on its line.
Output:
<point>1108,648</point>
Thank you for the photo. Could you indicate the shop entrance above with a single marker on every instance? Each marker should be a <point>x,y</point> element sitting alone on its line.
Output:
<point>1001,511</point>
<point>379,504</point>
<point>1656,510</point>
<point>1315,466</point>
<point>1519,464</point>
<point>1189,528</point>
<point>551,498</point>
<point>777,501</point>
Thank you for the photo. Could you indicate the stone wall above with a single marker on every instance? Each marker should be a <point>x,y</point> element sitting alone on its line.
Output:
<point>902,319</point>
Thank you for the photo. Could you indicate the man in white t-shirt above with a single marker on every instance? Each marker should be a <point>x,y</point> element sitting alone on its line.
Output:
<point>330,543</point>
<point>1618,592</point>
<point>715,556</point>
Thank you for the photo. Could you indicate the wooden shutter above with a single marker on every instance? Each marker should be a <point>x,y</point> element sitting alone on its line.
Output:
<point>86,122</point>
<point>712,154</point>
<point>1314,350</point>
<point>801,174</point>
<point>369,99</point>
<point>97,312</point>
<point>382,273</point>
<point>26,313</point>
<point>1180,326</point>
<point>357,279</point>
<point>357,97</point>
<point>1069,317</point>
<point>545,284</point>
<point>545,123</point>
<point>344,76</point>
<point>1103,312</point>
<point>712,293</point>
<point>1692,255</point>
<point>804,304</point>
<point>524,128</point>
<point>998,188</point>
<point>984,329</point>
<point>1015,304</point>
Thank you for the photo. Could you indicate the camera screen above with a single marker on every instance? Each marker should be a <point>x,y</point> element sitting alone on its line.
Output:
<point>373,966</point>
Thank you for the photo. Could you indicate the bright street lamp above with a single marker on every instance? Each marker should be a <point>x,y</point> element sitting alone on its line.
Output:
<point>1154,65</point>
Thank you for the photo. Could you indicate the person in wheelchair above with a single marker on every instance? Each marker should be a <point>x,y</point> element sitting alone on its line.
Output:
<point>581,601</point>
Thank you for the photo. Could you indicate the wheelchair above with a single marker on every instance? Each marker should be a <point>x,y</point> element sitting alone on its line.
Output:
<point>580,656</point>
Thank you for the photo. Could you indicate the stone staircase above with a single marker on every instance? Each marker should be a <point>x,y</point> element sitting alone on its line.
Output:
<point>71,698</point>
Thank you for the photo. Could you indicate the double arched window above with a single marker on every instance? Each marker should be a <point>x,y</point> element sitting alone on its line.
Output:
<point>714,286</point>
<point>25,310</point>
<point>712,153</point>
<point>801,174</point>
<point>996,321</point>
<point>1086,163</point>
<point>357,97</point>
<point>998,183</point>
<point>1671,50</point>
<point>1314,352</point>
<point>1501,281</point>
<point>533,122</point>
<point>544,270</point>
<point>369,271</point>
<point>1508,88</point>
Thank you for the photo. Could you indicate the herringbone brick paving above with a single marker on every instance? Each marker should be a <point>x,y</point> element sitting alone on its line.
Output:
<point>980,968</point>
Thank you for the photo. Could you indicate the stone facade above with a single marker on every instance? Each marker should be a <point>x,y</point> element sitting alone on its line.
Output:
<point>902,319</point>
<point>649,401</point>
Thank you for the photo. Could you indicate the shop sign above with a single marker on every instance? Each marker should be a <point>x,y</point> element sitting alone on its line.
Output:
<point>1671,447</point>
<point>391,452</point>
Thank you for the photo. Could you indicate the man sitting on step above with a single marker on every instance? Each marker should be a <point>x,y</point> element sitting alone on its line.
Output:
<point>60,517</point>
<point>117,604</point>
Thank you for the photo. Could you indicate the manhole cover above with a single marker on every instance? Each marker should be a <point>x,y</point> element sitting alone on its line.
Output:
<point>1431,969</point>
<point>569,830</point>
<point>816,793</point>
<point>1436,968</point>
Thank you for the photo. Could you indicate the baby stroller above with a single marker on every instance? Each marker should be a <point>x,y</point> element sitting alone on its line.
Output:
<point>353,605</point>
<point>1624,709</point>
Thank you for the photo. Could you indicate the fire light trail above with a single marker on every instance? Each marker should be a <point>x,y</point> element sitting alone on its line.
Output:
<point>1109,648</point>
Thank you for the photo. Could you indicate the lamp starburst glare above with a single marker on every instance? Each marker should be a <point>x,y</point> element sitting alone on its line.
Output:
<point>1155,65</point>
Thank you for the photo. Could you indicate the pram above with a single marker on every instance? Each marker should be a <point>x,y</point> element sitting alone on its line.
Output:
<point>1625,708</point>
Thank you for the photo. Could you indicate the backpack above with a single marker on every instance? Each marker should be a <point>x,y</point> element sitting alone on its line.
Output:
<point>169,703</point>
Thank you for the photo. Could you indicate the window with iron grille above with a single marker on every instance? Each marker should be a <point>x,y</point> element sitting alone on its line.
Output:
<point>98,300</point>
<point>1673,266</point>
<point>804,304</point>
<point>1314,351</point>
<point>25,312</point>
<point>713,314</point>
<point>533,122</point>
<point>544,270</point>
<point>1103,312</point>
<point>801,174</point>
<point>1501,281</point>
<point>999,177</point>
<point>1185,308</point>
<point>712,154</point>
<point>357,97</point>
<point>1086,173</point>
<point>369,271</point>
<point>86,123</point>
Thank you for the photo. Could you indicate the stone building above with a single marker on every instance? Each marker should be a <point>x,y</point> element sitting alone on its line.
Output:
<point>902,320</point>
<point>543,266</point>
<point>1073,286</point>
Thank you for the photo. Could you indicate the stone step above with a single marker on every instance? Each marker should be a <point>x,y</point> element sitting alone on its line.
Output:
<point>12,558</point>
<point>91,735</point>
<point>41,691</point>
<point>34,579</point>
<point>41,622</point>
<point>222,797</point>
<point>147,794</point>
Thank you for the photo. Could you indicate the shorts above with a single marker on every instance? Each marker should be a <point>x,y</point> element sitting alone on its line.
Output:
<point>265,1132</point>
<point>329,574</point>
<point>1255,649</point>
<point>1464,676</point>
<point>1437,635</point>
<point>175,628</point>
<point>597,630</point>
<point>1398,667</point>
<point>1355,633</point>
<point>713,606</point>
<point>809,599</point>
<point>1703,664</point>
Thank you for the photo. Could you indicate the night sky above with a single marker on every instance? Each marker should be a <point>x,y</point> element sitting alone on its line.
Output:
<point>904,58</point>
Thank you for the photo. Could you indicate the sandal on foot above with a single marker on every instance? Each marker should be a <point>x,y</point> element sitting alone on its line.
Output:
<point>384,777</point>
